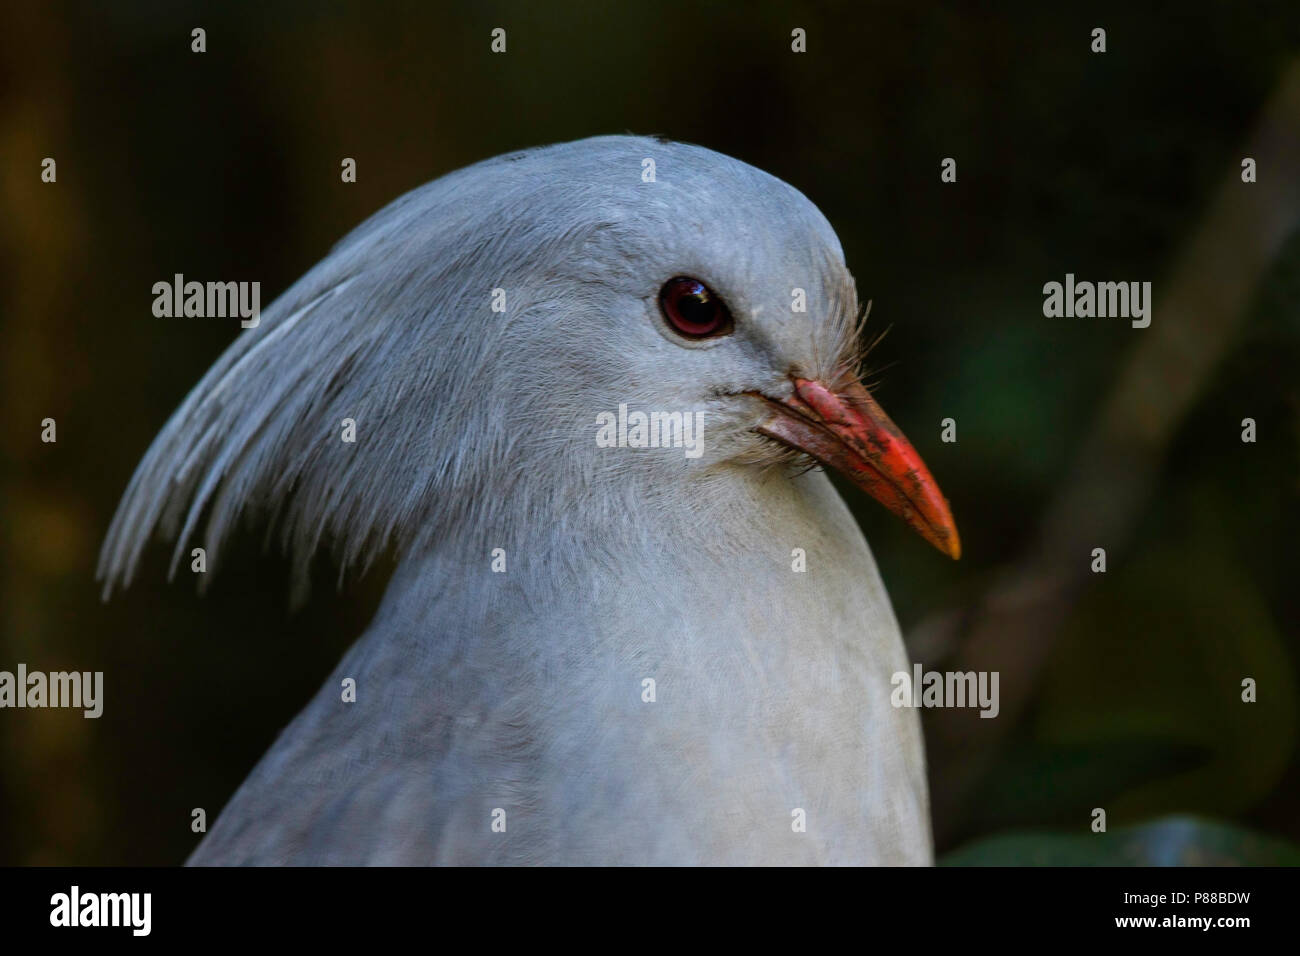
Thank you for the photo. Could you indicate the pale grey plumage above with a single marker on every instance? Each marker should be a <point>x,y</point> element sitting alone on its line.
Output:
<point>475,431</point>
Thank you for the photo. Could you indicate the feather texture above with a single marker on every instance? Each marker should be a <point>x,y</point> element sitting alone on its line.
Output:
<point>475,436</point>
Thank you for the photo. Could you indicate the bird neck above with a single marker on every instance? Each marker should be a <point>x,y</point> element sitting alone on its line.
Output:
<point>689,672</point>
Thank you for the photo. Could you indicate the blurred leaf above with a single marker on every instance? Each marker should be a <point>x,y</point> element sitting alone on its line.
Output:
<point>1149,655</point>
<point>1041,783</point>
<point>1173,841</point>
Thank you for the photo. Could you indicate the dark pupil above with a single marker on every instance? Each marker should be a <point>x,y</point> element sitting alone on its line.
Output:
<point>696,306</point>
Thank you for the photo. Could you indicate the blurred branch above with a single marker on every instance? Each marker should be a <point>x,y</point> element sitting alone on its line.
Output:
<point>1200,309</point>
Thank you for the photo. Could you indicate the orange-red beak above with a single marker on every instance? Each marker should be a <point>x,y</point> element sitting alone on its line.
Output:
<point>846,430</point>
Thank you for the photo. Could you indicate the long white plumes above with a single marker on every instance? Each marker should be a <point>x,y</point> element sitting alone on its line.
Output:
<point>358,337</point>
<point>394,330</point>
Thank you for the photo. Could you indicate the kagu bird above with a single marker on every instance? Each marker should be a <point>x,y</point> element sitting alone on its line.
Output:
<point>587,654</point>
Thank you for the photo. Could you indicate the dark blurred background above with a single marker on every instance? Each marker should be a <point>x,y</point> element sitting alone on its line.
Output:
<point>1120,690</point>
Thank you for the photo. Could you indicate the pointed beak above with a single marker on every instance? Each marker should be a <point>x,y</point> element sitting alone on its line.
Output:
<point>844,429</point>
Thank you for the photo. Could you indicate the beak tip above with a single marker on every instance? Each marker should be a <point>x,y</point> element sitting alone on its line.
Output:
<point>954,540</point>
<point>947,540</point>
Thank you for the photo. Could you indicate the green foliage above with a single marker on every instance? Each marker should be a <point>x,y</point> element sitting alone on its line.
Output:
<point>1172,841</point>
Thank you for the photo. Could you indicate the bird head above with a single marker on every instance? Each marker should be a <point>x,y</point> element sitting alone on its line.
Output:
<point>713,289</point>
<point>479,330</point>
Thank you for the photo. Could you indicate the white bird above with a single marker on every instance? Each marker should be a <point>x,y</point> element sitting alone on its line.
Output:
<point>587,654</point>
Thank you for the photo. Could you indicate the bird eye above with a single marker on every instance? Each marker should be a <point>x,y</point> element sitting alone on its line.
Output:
<point>693,309</point>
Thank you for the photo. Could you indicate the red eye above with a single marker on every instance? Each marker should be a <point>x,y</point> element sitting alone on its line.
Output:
<point>693,309</point>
